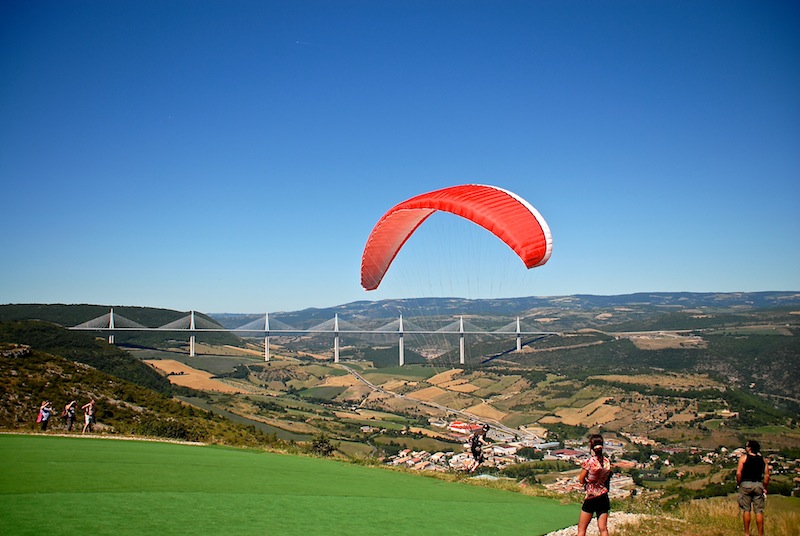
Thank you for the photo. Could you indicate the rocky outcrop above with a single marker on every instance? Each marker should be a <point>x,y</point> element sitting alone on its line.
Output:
<point>14,350</point>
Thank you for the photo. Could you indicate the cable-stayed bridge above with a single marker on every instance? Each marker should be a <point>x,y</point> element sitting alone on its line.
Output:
<point>191,324</point>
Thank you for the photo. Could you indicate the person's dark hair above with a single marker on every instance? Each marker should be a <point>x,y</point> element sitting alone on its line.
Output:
<point>754,446</point>
<point>596,440</point>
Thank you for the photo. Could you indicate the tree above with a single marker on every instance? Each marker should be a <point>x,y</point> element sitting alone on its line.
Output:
<point>322,446</point>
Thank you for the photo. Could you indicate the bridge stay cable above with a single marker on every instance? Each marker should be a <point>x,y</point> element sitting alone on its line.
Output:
<point>193,324</point>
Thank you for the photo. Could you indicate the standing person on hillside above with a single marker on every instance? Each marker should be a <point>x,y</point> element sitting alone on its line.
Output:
<point>69,414</point>
<point>752,476</point>
<point>88,415</point>
<point>595,477</point>
<point>476,442</point>
<point>45,411</point>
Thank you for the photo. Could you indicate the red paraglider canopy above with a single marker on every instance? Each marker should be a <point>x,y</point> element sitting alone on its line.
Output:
<point>509,217</point>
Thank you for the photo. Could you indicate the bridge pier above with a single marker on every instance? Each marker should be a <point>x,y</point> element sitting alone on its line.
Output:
<point>336,338</point>
<point>192,338</point>
<point>461,340</point>
<point>111,326</point>
<point>266,337</point>
<point>400,345</point>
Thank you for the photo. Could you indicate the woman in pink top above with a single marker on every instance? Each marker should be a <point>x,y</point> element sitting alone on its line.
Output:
<point>595,476</point>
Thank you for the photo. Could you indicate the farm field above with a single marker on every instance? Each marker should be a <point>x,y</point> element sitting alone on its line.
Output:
<point>180,374</point>
<point>676,381</point>
<point>556,400</point>
<point>70,485</point>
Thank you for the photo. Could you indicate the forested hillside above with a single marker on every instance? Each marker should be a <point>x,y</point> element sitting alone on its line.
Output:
<point>31,376</point>
<point>73,315</point>
<point>83,348</point>
<point>761,362</point>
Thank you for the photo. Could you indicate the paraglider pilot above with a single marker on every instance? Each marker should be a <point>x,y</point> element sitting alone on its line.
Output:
<point>476,442</point>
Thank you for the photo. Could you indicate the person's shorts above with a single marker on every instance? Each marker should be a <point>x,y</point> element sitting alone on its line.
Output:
<point>477,454</point>
<point>597,505</point>
<point>751,495</point>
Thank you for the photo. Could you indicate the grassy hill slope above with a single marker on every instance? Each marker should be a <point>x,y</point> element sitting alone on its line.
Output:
<point>89,486</point>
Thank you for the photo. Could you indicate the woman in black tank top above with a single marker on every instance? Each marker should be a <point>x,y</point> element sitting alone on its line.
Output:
<point>752,476</point>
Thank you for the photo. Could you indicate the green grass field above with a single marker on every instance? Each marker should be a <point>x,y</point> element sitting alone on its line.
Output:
<point>73,485</point>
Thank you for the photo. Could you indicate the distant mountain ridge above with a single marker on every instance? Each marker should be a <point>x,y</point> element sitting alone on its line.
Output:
<point>644,303</point>
<point>576,311</point>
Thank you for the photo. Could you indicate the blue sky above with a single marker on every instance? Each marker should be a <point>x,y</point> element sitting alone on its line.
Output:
<point>234,156</point>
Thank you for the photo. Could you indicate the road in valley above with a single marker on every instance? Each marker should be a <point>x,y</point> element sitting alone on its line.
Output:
<point>463,414</point>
